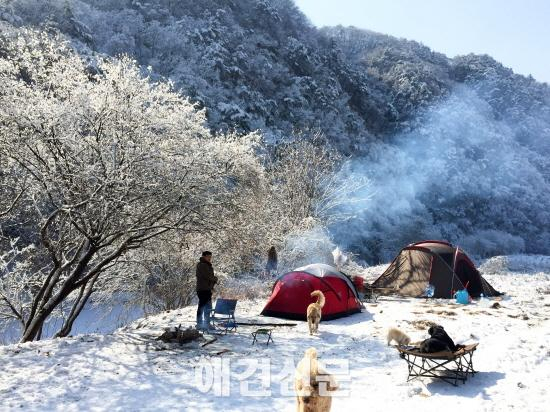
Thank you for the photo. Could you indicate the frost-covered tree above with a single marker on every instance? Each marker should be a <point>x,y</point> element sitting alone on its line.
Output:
<point>108,160</point>
<point>311,185</point>
<point>158,276</point>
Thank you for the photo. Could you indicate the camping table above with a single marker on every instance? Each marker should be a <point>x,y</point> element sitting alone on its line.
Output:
<point>447,366</point>
<point>262,331</point>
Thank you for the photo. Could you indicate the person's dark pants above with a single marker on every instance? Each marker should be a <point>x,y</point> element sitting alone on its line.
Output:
<point>204,309</point>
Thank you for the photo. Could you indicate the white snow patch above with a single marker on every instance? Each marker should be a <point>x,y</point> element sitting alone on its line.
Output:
<point>129,370</point>
<point>516,263</point>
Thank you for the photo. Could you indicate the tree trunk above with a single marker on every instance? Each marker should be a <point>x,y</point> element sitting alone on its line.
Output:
<point>85,292</point>
<point>34,327</point>
<point>45,303</point>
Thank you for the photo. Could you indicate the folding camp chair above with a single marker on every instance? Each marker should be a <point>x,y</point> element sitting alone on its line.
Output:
<point>223,315</point>
<point>447,366</point>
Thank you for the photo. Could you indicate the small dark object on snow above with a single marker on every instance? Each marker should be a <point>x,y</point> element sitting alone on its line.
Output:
<point>209,342</point>
<point>220,352</point>
<point>179,335</point>
<point>521,385</point>
<point>495,305</point>
<point>525,317</point>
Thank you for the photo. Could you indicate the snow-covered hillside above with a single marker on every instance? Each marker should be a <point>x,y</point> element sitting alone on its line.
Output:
<point>129,370</point>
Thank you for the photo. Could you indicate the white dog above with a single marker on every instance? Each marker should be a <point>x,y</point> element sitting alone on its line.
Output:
<point>314,312</point>
<point>313,384</point>
<point>398,336</point>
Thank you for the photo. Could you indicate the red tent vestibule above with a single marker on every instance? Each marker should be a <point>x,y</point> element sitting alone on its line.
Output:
<point>292,293</point>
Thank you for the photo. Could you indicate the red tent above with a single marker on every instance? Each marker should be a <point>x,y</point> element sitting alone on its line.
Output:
<point>292,293</point>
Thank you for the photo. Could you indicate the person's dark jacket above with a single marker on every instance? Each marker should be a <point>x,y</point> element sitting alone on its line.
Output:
<point>205,276</point>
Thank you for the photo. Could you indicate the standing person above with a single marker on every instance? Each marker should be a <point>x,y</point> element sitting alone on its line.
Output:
<point>271,265</point>
<point>205,283</point>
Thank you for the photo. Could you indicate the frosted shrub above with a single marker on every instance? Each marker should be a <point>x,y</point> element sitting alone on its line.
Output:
<point>491,243</point>
<point>106,160</point>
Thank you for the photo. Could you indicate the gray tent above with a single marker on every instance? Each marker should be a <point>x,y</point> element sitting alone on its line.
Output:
<point>434,262</point>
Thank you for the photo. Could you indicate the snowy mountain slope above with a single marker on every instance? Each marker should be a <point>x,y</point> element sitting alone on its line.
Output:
<point>127,370</point>
<point>457,147</point>
<point>258,64</point>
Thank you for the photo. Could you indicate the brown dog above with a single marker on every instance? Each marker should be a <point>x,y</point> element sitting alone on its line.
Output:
<point>314,312</point>
<point>312,384</point>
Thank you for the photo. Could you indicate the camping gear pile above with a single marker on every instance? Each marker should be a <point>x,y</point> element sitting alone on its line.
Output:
<point>179,335</point>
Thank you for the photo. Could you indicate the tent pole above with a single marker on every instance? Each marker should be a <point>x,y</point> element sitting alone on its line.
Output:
<point>454,271</point>
<point>454,260</point>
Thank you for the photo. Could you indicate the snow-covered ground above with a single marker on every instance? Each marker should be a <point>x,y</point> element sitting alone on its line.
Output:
<point>128,370</point>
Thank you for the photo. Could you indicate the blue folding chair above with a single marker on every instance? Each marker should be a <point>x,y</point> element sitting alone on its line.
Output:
<point>223,315</point>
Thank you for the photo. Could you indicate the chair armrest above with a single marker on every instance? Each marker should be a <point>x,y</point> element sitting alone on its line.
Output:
<point>432,355</point>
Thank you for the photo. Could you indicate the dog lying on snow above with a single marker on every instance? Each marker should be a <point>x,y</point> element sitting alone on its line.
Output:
<point>438,341</point>
<point>314,312</point>
<point>396,335</point>
<point>313,384</point>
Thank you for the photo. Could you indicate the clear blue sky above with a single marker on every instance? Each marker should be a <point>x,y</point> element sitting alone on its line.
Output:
<point>514,32</point>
